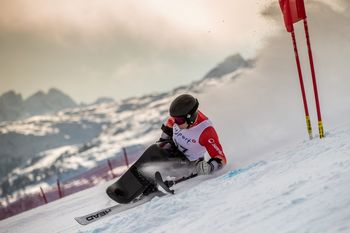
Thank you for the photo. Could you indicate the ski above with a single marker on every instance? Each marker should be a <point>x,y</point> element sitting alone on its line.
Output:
<point>118,208</point>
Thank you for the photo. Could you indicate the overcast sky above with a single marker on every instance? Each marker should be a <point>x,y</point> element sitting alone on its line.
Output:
<point>94,48</point>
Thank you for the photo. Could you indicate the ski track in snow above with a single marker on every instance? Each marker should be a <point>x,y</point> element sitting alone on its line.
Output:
<point>302,188</point>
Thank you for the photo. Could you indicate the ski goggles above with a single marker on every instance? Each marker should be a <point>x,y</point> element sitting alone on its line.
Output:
<point>180,120</point>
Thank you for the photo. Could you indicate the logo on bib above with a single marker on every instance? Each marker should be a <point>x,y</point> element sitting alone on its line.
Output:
<point>211,141</point>
<point>184,138</point>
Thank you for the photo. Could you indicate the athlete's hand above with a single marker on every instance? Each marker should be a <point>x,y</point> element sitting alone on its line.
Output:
<point>203,168</point>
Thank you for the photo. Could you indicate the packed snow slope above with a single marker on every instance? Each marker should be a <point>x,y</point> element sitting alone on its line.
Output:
<point>301,188</point>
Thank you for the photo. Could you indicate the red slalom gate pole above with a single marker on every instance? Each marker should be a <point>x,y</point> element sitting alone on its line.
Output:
<point>43,194</point>
<point>110,168</point>
<point>60,194</point>
<point>126,158</point>
<point>314,83</point>
<point>306,109</point>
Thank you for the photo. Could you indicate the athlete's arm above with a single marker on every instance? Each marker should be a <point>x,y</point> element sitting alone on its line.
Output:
<point>210,140</point>
<point>167,133</point>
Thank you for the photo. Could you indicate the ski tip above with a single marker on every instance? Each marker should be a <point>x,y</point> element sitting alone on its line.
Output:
<point>160,182</point>
<point>158,176</point>
<point>80,221</point>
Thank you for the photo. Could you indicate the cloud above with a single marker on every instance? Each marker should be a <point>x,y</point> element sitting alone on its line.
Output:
<point>165,23</point>
<point>86,20</point>
<point>63,43</point>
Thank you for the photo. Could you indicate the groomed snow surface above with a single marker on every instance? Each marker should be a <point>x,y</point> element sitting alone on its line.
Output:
<point>300,188</point>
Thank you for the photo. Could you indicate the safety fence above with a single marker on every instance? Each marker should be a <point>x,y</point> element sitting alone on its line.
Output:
<point>110,169</point>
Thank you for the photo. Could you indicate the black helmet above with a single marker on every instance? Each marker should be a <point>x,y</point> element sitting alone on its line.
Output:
<point>184,105</point>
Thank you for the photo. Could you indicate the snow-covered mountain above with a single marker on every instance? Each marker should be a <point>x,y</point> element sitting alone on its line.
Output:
<point>230,64</point>
<point>11,106</point>
<point>14,107</point>
<point>104,100</point>
<point>52,101</point>
<point>77,139</point>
